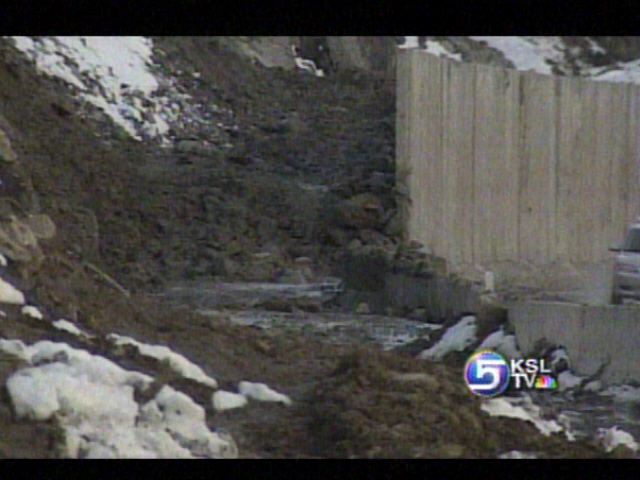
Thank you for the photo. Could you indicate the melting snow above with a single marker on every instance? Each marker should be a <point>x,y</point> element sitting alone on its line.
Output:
<point>436,48</point>
<point>93,399</point>
<point>527,53</point>
<point>9,294</point>
<point>529,412</point>
<point>456,338</point>
<point>31,311</point>
<point>501,343</point>
<point>261,392</point>
<point>112,73</point>
<point>227,400</point>
<point>177,362</point>
<point>612,437</point>
<point>622,393</point>
<point>67,326</point>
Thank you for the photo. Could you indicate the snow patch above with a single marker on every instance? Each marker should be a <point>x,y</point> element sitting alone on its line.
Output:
<point>622,393</point>
<point>93,400</point>
<point>409,42</point>
<point>177,362</point>
<point>69,327</point>
<point>31,311</point>
<point>262,393</point>
<point>528,53</point>
<point>568,380</point>
<point>456,338</point>
<point>10,294</point>
<point>114,74</point>
<point>501,343</point>
<point>436,48</point>
<point>612,437</point>
<point>524,409</point>
<point>227,400</point>
<point>3,261</point>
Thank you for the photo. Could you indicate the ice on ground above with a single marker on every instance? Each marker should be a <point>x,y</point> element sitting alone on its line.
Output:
<point>31,311</point>
<point>10,294</point>
<point>67,326</point>
<point>227,400</point>
<point>176,362</point>
<point>93,399</point>
<point>456,338</point>
<point>261,392</point>
<point>523,409</point>
<point>612,437</point>
<point>501,343</point>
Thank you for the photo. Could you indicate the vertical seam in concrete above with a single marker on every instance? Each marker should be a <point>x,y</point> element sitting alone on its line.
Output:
<point>473,165</point>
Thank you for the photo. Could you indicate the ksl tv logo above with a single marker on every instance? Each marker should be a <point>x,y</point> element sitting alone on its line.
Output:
<point>488,374</point>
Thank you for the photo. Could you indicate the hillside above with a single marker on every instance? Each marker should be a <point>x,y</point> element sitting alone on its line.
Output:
<point>172,165</point>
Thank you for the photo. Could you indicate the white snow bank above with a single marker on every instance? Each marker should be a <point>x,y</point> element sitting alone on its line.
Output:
<point>176,362</point>
<point>185,421</point>
<point>227,400</point>
<point>523,409</point>
<point>10,294</point>
<point>261,392</point>
<point>456,338</point>
<point>612,437</point>
<point>501,343</point>
<point>31,311</point>
<point>93,399</point>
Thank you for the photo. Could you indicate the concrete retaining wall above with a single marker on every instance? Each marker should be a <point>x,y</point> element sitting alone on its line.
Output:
<point>505,165</point>
<point>590,334</point>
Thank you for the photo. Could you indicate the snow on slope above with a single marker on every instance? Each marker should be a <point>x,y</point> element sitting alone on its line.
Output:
<point>93,399</point>
<point>115,74</point>
<point>538,53</point>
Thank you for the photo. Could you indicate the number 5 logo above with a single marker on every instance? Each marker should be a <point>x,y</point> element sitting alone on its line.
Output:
<point>491,367</point>
<point>487,373</point>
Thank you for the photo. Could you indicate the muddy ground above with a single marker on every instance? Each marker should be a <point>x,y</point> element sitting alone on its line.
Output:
<point>150,217</point>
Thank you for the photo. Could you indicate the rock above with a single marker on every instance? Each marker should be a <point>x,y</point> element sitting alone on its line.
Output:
<point>393,228</point>
<point>6,151</point>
